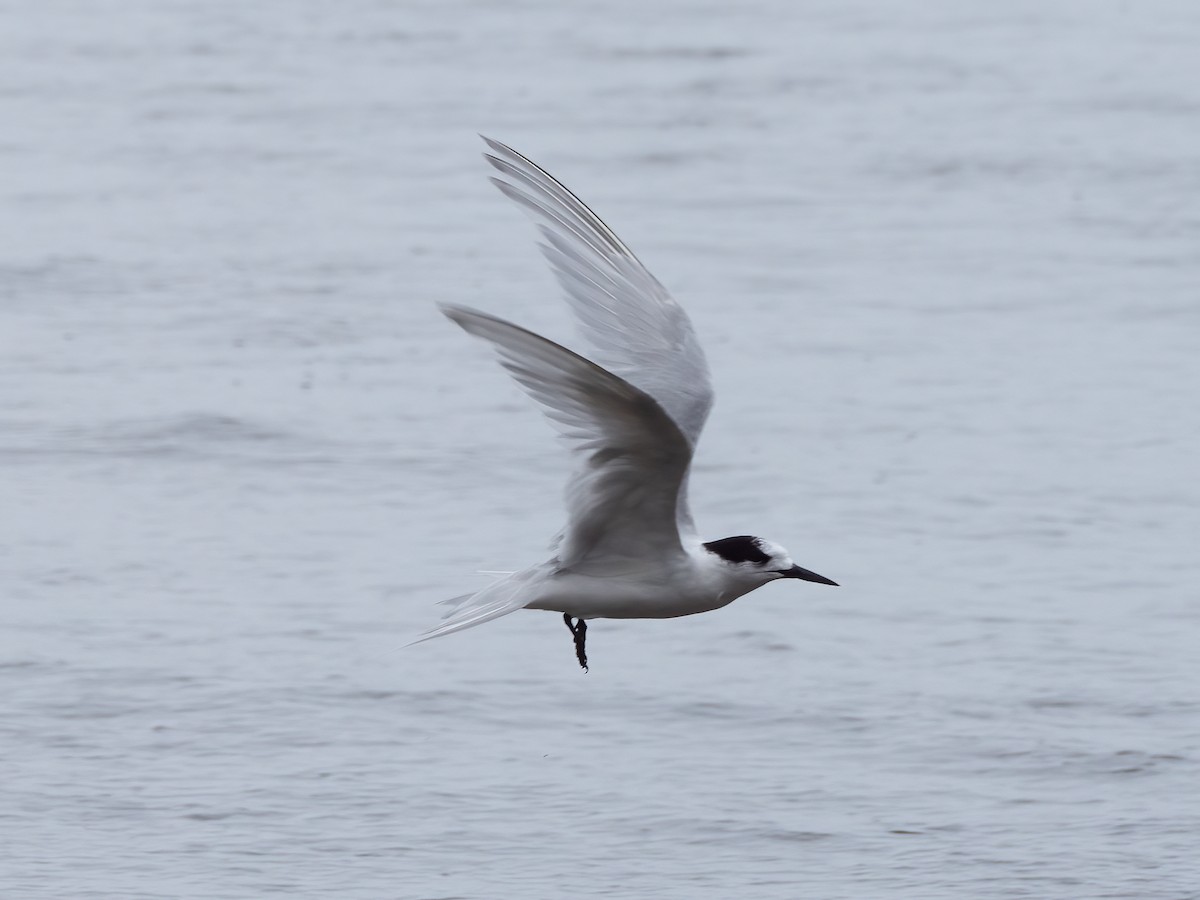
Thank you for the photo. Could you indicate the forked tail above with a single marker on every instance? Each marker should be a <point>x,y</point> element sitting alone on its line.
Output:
<point>497,599</point>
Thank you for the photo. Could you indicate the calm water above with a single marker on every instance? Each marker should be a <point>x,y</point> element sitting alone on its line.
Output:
<point>944,257</point>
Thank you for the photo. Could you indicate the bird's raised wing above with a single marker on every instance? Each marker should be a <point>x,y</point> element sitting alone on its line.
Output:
<point>634,326</point>
<point>632,457</point>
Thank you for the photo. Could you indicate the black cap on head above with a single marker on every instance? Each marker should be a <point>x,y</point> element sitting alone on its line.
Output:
<point>739,549</point>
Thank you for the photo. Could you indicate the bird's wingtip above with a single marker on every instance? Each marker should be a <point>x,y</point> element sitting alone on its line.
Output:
<point>496,145</point>
<point>464,316</point>
<point>454,311</point>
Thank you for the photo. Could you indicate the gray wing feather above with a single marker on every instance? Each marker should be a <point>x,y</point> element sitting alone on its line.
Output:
<point>636,328</point>
<point>633,459</point>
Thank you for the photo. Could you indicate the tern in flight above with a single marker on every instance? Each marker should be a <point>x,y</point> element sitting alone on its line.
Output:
<point>632,414</point>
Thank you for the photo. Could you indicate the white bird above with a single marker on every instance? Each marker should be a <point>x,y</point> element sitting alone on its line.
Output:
<point>629,549</point>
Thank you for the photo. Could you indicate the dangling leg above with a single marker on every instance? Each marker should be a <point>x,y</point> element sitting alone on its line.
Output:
<point>580,644</point>
<point>579,632</point>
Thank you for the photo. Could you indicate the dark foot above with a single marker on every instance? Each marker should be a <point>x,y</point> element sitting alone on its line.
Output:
<point>579,631</point>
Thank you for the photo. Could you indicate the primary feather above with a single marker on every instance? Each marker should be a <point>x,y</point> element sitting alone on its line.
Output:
<point>635,327</point>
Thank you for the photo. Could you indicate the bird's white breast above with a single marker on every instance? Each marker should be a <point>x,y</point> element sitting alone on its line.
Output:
<point>683,588</point>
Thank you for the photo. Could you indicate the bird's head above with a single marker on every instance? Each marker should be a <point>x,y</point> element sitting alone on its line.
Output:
<point>751,558</point>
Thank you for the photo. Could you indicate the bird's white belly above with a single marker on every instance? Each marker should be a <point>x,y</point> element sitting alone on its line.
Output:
<point>587,597</point>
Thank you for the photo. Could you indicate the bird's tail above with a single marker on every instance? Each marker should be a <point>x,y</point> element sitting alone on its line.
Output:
<point>497,599</point>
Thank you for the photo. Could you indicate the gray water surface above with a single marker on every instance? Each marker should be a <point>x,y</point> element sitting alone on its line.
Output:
<point>944,257</point>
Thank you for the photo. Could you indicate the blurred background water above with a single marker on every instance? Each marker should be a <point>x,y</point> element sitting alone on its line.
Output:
<point>944,258</point>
